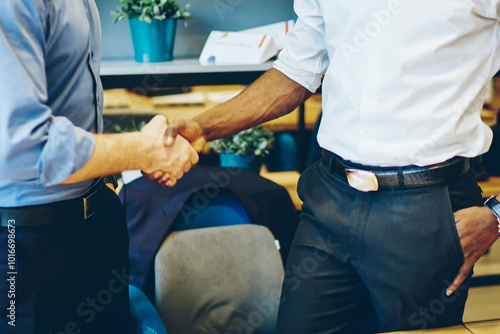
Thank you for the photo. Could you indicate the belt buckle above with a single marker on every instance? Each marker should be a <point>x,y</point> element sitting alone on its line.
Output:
<point>86,203</point>
<point>362,180</point>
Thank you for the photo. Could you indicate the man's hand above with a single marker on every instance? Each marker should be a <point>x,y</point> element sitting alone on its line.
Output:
<point>478,230</point>
<point>173,160</point>
<point>179,128</point>
<point>190,130</point>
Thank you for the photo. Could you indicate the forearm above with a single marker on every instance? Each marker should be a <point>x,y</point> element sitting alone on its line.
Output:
<point>144,150</point>
<point>113,153</point>
<point>269,97</point>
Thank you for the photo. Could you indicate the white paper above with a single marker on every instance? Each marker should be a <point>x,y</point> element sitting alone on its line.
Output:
<point>223,48</point>
<point>252,46</point>
<point>277,31</point>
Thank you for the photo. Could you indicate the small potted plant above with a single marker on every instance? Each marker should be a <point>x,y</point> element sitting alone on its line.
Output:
<point>245,149</point>
<point>153,24</point>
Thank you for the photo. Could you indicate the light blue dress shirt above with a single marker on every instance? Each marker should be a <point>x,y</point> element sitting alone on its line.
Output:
<point>50,97</point>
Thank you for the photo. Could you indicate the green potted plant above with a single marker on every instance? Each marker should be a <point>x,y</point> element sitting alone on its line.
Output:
<point>245,149</point>
<point>153,24</point>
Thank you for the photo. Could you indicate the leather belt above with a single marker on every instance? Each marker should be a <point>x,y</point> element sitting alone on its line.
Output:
<point>371,178</point>
<point>62,212</point>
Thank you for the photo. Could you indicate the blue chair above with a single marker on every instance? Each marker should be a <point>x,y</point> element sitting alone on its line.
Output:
<point>223,210</point>
<point>143,315</point>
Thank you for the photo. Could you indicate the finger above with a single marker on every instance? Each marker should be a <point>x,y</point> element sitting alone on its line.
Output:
<point>166,176</point>
<point>147,176</point>
<point>171,182</point>
<point>172,131</point>
<point>187,167</point>
<point>461,276</point>
<point>194,157</point>
<point>158,120</point>
<point>199,144</point>
<point>157,175</point>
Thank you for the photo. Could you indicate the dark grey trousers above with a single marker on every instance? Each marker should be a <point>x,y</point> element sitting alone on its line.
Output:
<point>71,278</point>
<point>387,255</point>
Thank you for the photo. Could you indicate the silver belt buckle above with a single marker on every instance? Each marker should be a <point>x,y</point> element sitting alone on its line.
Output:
<point>362,180</point>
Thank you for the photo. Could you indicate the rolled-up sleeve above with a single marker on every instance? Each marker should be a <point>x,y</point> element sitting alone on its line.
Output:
<point>35,145</point>
<point>305,57</point>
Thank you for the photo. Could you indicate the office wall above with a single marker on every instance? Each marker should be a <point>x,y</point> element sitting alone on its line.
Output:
<point>230,15</point>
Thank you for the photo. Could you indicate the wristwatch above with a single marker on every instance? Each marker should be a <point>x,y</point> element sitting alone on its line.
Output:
<point>494,206</point>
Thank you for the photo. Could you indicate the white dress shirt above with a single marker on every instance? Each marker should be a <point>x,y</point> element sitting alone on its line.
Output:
<point>403,80</point>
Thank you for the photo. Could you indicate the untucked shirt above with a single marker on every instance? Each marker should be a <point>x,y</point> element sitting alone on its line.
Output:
<point>50,97</point>
<point>403,80</point>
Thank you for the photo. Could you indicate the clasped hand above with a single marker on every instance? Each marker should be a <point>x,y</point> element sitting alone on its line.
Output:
<point>186,131</point>
<point>172,160</point>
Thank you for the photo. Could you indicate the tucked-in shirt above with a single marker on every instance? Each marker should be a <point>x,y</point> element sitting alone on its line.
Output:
<point>403,80</point>
<point>50,97</point>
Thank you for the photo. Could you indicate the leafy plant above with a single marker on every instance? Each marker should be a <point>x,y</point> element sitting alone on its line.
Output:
<point>149,10</point>
<point>254,141</point>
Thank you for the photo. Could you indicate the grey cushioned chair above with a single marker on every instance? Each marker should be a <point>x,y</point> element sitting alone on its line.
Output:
<point>219,280</point>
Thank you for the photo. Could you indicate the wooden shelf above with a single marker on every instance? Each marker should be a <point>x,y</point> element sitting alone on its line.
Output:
<point>123,102</point>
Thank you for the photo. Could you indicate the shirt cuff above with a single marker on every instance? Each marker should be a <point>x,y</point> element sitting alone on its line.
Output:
<point>67,150</point>
<point>310,81</point>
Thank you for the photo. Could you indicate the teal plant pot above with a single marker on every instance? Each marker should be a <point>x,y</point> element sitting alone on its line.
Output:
<point>153,42</point>
<point>251,162</point>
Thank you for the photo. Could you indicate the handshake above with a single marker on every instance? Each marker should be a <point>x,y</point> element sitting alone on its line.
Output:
<point>173,149</point>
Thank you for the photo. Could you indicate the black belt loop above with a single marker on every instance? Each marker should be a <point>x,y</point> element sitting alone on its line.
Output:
<point>330,162</point>
<point>401,180</point>
<point>328,159</point>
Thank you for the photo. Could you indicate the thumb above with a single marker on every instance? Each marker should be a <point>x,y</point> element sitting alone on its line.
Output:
<point>172,130</point>
<point>156,122</point>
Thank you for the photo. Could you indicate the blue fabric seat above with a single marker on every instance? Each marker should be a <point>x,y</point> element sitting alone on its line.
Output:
<point>143,315</point>
<point>223,210</point>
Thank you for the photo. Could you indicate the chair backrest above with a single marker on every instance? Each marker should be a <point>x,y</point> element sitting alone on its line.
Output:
<point>222,210</point>
<point>219,280</point>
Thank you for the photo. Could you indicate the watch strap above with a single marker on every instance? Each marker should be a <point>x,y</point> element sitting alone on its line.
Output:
<point>493,204</point>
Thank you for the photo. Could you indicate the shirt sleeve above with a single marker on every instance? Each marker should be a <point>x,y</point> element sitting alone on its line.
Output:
<point>304,58</point>
<point>35,145</point>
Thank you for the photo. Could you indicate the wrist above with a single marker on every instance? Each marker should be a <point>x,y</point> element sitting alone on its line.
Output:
<point>142,146</point>
<point>493,204</point>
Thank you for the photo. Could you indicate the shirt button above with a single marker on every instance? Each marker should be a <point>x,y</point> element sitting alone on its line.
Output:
<point>91,54</point>
<point>367,135</point>
<point>370,92</point>
<point>98,99</point>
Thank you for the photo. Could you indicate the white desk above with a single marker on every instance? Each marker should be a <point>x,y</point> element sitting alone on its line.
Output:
<point>176,73</point>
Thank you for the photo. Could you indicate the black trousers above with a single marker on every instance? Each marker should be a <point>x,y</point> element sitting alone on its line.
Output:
<point>387,255</point>
<point>71,277</point>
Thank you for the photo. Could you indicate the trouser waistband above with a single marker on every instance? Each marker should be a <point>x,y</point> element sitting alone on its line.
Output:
<point>73,210</point>
<point>372,178</point>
